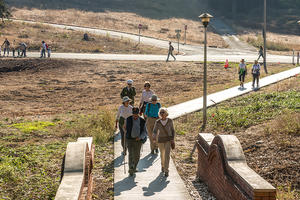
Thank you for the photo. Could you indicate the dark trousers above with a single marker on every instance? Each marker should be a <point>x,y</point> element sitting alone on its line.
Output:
<point>23,53</point>
<point>260,55</point>
<point>43,53</point>
<point>6,50</point>
<point>242,77</point>
<point>255,77</point>
<point>170,53</point>
<point>134,150</point>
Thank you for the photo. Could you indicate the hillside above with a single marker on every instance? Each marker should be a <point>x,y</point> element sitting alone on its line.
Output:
<point>147,8</point>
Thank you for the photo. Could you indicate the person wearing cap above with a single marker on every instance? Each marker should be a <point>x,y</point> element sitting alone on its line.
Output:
<point>129,91</point>
<point>135,133</point>
<point>242,72</point>
<point>151,113</point>
<point>165,133</point>
<point>124,111</point>
<point>146,96</point>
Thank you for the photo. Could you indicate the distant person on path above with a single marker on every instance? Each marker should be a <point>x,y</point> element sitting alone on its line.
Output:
<point>171,49</point>
<point>255,73</point>
<point>13,48</point>
<point>48,50</point>
<point>146,96</point>
<point>23,48</point>
<point>165,133</point>
<point>43,50</point>
<point>135,133</point>
<point>151,113</point>
<point>260,53</point>
<point>242,72</point>
<point>6,45</point>
<point>124,111</point>
<point>129,91</point>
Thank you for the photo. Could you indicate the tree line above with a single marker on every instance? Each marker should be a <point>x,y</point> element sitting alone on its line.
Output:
<point>4,11</point>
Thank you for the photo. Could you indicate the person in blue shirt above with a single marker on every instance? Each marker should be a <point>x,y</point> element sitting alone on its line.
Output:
<point>151,114</point>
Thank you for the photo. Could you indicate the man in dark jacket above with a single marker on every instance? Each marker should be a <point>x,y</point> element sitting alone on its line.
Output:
<point>129,91</point>
<point>135,133</point>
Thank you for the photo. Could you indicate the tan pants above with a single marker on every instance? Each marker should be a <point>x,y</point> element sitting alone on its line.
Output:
<point>150,125</point>
<point>165,149</point>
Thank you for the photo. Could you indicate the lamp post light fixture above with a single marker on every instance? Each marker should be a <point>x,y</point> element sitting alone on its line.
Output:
<point>205,19</point>
<point>298,22</point>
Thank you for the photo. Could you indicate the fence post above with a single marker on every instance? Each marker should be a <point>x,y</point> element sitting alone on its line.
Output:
<point>293,57</point>
<point>298,58</point>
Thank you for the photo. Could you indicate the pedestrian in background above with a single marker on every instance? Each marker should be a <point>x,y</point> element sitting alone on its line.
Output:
<point>6,45</point>
<point>23,48</point>
<point>43,50</point>
<point>124,111</point>
<point>129,91</point>
<point>146,96</point>
<point>135,134</point>
<point>260,53</point>
<point>151,113</point>
<point>48,51</point>
<point>242,71</point>
<point>171,49</point>
<point>255,73</point>
<point>165,133</point>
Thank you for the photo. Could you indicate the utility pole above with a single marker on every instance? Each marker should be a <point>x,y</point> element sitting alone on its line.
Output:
<point>265,36</point>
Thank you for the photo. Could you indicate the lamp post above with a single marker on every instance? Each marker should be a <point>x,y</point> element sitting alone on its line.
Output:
<point>265,35</point>
<point>205,18</point>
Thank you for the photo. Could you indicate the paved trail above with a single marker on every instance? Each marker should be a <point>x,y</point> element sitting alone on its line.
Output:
<point>149,182</point>
<point>192,52</point>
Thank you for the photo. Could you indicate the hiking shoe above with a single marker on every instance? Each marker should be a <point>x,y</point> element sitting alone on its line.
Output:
<point>166,174</point>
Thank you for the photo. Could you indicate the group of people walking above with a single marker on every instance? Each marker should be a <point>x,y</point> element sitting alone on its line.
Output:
<point>14,47</point>
<point>148,119</point>
<point>255,71</point>
<point>20,49</point>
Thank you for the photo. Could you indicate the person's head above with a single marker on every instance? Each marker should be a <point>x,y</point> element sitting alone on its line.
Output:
<point>154,99</point>
<point>147,86</point>
<point>255,62</point>
<point>43,42</point>
<point>135,113</point>
<point>170,42</point>
<point>261,47</point>
<point>243,60</point>
<point>163,113</point>
<point>129,83</point>
<point>126,100</point>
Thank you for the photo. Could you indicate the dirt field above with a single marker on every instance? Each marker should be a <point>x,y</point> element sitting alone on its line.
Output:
<point>127,22</point>
<point>34,87</point>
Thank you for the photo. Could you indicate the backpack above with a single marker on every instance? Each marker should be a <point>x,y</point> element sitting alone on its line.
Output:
<point>149,105</point>
<point>47,47</point>
<point>172,48</point>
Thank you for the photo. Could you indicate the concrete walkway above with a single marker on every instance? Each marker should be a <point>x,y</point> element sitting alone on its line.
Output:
<point>149,182</point>
<point>220,57</point>
<point>197,104</point>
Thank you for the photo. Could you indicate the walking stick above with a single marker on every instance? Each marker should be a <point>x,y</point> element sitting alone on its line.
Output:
<point>124,151</point>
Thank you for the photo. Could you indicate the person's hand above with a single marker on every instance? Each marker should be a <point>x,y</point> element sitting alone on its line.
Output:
<point>137,139</point>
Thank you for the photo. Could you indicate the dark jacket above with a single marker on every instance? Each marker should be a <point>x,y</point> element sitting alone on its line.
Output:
<point>130,94</point>
<point>129,124</point>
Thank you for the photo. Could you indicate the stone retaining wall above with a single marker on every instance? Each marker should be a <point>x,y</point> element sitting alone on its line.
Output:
<point>222,165</point>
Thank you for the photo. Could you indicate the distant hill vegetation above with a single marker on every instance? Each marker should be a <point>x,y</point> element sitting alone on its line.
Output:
<point>282,14</point>
<point>156,9</point>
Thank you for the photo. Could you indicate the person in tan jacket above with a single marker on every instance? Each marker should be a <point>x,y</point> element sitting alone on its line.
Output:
<point>164,133</point>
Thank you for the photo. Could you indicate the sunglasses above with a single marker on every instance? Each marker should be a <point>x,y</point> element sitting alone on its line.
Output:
<point>161,112</point>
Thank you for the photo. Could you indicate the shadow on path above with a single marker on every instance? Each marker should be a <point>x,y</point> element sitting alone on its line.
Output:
<point>147,162</point>
<point>126,184</point>
<point>157,185</point>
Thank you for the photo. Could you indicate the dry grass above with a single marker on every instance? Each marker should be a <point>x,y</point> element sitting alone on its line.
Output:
<point>276,42</point>
<point>63,40</point>
<point>123,21</point>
